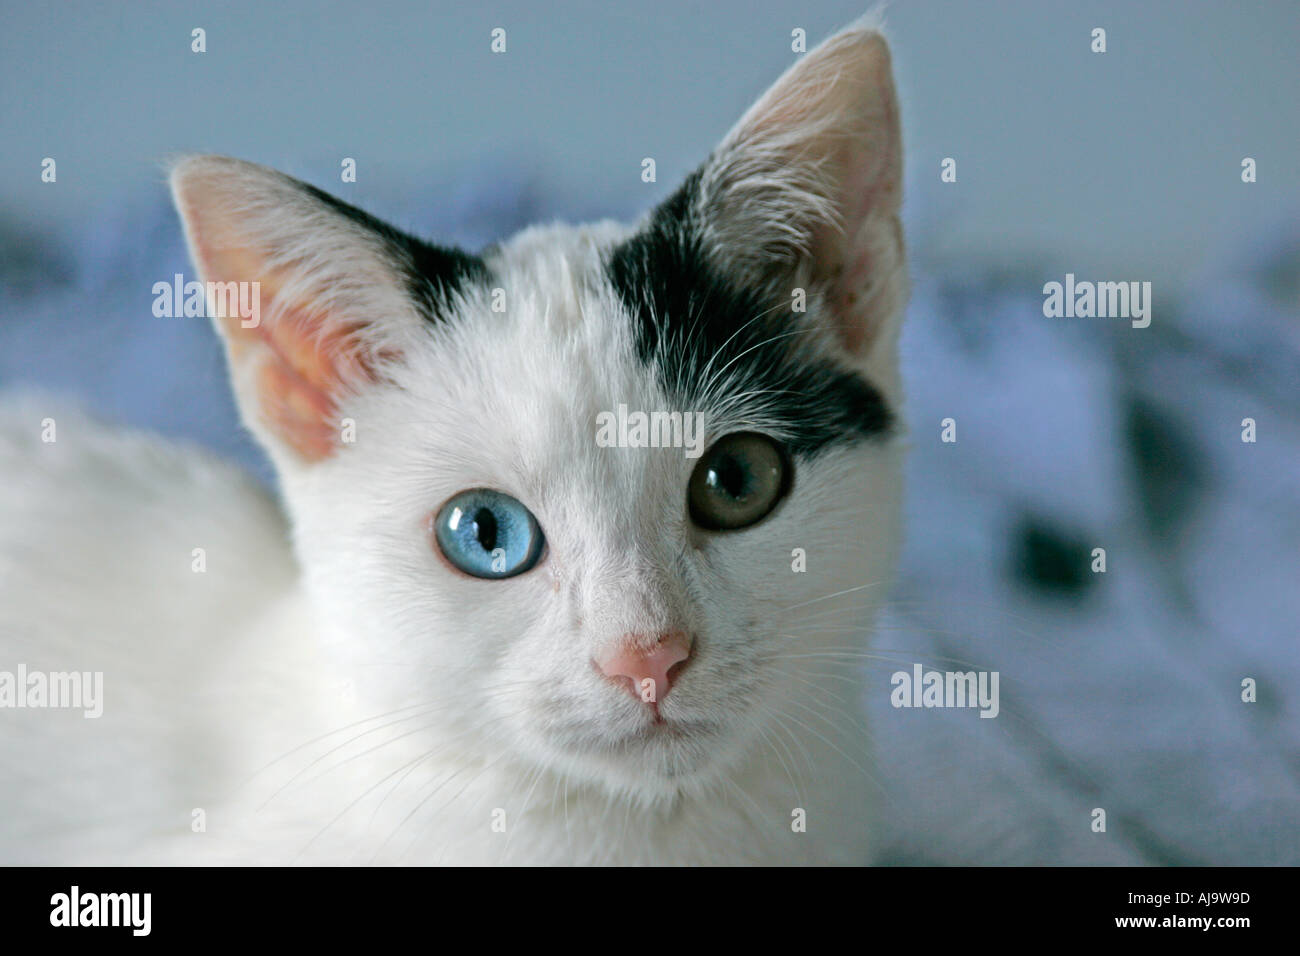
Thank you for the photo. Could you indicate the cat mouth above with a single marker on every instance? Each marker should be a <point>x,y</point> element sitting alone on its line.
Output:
<point>661,743</point>
<point>660,732</point>
<point>669,752</point>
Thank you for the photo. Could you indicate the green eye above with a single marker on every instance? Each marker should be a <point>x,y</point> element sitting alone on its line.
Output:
<point>738,482</point>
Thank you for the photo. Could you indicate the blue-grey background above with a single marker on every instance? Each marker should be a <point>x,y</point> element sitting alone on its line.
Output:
<point>1121,690</point>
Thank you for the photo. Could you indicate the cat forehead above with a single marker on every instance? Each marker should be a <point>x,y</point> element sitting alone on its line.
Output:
<point>647,316</point>
<point>542,311</point>
<point>550,283</point>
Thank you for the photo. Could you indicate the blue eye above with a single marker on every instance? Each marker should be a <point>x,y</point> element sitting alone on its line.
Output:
<point>488,534</point>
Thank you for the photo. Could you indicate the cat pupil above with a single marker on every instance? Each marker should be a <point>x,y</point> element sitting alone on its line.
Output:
<point>485,527</point>
<point>729,474</point>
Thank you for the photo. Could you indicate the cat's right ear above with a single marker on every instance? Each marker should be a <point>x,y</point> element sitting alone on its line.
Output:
<point>807,189</point>
<point>314,299</point>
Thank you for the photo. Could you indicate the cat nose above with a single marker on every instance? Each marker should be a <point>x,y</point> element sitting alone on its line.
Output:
<point>646,667</point>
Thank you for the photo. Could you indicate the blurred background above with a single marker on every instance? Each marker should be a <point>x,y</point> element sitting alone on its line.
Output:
<point>1120,690</point>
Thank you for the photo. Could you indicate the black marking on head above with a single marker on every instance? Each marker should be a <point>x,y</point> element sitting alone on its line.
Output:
<point>687,314</point>
<point>433,274</point>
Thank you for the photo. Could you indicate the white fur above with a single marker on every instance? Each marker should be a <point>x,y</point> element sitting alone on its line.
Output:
<point>360,702</point>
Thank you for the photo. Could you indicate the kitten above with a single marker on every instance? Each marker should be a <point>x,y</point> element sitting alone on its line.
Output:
<point>493,637</point>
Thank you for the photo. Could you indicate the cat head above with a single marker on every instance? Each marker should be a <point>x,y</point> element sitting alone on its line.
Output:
<point>472,447</point>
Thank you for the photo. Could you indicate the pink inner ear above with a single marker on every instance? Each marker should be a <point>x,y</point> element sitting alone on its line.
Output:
<point>858,263</point>
<point>853,294</point>
<point>313,345</point>
<point>304,367</point>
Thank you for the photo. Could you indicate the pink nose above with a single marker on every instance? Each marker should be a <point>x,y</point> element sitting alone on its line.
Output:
<point>646,667</point>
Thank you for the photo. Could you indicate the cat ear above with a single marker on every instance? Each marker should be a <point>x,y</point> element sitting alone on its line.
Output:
<point>330,297</point>
<point>806,188</point>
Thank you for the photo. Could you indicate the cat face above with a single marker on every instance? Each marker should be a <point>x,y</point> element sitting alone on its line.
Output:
<point>483,520</point>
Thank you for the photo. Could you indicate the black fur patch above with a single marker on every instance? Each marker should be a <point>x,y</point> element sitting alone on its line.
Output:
<point>433,274</point>
<point>687,315</point>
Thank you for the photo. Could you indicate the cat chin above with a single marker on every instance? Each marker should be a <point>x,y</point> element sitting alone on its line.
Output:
<point>655,763</point>
<point>626,780</point>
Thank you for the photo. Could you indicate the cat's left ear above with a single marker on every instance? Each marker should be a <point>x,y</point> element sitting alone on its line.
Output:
<point>807,189</point>
<point>338,296</point>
